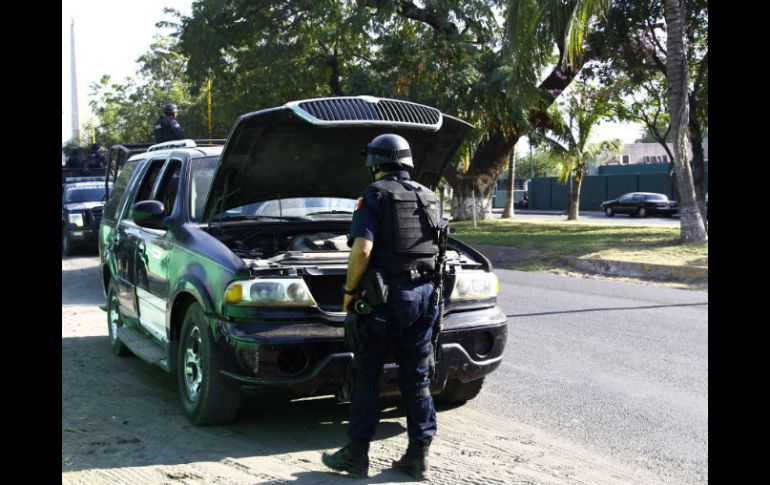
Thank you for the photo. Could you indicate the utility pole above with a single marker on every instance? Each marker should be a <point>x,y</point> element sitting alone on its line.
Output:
<point>74,82</point>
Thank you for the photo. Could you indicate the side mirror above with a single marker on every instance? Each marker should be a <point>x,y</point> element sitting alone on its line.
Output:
<point>150,214</point>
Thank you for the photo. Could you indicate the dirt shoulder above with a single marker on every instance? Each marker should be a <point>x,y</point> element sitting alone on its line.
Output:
<point>122,423</point>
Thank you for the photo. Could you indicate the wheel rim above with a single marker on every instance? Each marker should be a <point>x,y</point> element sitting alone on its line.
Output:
<point>65,244</point>
<point>608,211</point>
<point>642,212</point>
<point>113,318</point>
<point>193,371</point>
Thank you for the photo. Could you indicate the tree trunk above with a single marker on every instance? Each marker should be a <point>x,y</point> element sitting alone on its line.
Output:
<point>697,163</point>
<point>487,162</point>
<point>692,229</point>
<point>508,212</point>
<point>574,196</point>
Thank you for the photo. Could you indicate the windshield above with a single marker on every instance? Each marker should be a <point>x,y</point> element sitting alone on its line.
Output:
<point>95,194</point>
<point>294,207</point>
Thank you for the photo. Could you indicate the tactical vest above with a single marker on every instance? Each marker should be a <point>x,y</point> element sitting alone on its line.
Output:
<point>408,236</point>
<point>163,130</point>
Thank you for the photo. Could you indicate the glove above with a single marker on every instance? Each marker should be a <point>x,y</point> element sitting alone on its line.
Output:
<point>352,338</point>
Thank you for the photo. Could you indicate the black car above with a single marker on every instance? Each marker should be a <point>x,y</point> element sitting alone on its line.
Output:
<point>81,213</point>
<point>225,266</point>
<point>641,204</point>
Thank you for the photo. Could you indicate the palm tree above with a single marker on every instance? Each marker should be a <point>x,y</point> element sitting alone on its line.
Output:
<point>692,228</point>
<point>569,140</point>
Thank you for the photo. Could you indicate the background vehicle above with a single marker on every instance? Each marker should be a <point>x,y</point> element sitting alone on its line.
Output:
<point>227,266</point>
<point>641,204</point>
<point>81,213</point>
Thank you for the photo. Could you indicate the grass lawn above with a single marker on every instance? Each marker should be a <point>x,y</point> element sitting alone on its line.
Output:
<point>549,241</point>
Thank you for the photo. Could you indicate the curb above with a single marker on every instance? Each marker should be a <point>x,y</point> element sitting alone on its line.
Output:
<point>639,270</point>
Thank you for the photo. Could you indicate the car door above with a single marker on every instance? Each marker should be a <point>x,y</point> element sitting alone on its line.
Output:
<point>127,238</point>
<point>152,256</point>
<point>624,204</point>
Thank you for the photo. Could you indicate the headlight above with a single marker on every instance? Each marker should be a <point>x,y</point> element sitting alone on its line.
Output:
<point>76,218</point>
<point>269,292</point>
<point>475,285</point>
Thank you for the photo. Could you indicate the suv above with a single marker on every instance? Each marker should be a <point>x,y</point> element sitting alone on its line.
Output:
<point>82,201</point>
<point>225,266</point>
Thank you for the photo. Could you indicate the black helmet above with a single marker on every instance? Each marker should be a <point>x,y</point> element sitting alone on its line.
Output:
<point>388,149</point>
<point>170,109</point>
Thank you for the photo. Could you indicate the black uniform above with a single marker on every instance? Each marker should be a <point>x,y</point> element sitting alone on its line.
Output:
<point>168,129</point>
<point>399,216</point>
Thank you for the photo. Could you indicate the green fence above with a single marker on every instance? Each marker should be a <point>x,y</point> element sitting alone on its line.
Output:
<point>546,193</point>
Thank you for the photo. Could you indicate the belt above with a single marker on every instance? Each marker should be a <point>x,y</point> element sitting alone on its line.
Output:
<point>412,276</point>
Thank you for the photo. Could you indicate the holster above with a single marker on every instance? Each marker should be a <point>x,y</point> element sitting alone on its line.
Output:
<point>374,287</point>
<point>352,331</point>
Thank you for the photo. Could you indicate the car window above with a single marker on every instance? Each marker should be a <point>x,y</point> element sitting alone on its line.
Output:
<point>201,175</point>
<point>169,186</point>
<point>656,197</point>
<point>116,194</point>
<point>637,198</point>
<point>626,198</point>
<point>144,191</point>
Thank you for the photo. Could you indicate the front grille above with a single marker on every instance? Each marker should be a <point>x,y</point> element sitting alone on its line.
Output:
<point>327,290</point>
<point>96,215</point>
<point>358,109</point>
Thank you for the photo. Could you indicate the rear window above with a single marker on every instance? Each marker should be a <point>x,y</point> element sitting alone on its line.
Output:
<point>111,207</point>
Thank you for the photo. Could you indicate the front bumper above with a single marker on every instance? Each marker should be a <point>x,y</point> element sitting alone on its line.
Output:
<point>307,359</point>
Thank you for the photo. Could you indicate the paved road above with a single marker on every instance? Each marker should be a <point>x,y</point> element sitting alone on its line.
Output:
<point>617,367</point>
<point>598,217</point>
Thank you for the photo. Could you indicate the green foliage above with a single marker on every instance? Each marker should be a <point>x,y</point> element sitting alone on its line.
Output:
<point>582,110</point>
<point>630,54</point>
<point>451,54</point>
<point>127,111</point>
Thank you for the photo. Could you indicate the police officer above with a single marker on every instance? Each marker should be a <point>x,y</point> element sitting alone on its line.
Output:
<point>392,233</point>
<point>96,158</point>
<point>167,127</point>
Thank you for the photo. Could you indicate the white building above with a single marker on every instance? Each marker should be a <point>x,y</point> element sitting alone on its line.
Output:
<point>648,153</point>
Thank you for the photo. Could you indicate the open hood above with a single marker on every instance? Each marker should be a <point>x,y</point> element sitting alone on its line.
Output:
<point>313,148</point>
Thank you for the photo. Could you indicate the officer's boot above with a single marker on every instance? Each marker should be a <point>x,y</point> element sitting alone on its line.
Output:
<point>415,461</point>
<point>352,458</point>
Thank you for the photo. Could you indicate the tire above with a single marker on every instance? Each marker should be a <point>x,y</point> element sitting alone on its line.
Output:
<point>457,391</point>
<point>608,211</point>
<point>642,212</point>
<point>114,321</point>
<point>206,397</point>
<point>66,244</point>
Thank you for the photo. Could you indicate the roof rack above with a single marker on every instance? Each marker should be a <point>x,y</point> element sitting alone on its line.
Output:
<point>185,144</point>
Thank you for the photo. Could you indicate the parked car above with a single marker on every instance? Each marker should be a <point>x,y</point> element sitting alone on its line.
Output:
<point>226,266</point>
<point>81,212</point>
<point>641,204</point>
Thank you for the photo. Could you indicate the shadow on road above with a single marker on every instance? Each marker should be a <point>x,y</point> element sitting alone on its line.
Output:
<point>121,412</point>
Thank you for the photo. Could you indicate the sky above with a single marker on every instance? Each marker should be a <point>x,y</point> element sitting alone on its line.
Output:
<point>111,34</point>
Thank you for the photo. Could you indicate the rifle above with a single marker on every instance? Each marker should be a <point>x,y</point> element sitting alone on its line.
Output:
<point>438,289</point>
